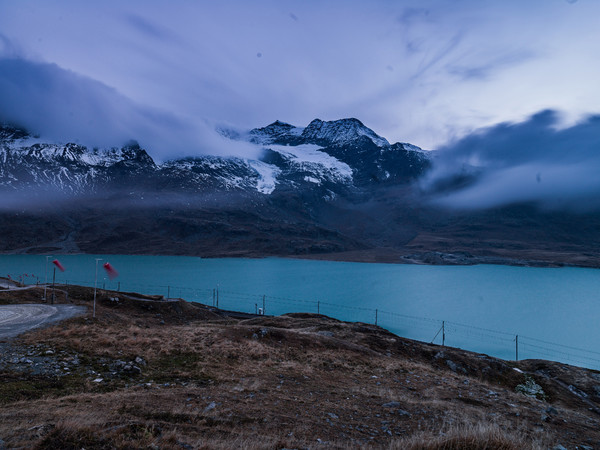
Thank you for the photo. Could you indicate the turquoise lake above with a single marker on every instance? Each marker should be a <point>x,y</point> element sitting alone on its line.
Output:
<point>554,311</point>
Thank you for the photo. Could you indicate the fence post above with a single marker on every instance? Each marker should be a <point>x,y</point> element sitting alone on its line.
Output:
<point>217,295</point>
<point>256,309</point>
<point>375,317</point>
<point>168,292</point>
<point>318,307</point>
<point>443,333</point>
<point>517,347</point>
<point>213,297</point>
<point>263,305</point>
<point>119,286</point>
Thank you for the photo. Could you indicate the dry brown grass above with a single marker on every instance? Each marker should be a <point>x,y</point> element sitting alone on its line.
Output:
<point>214,382</point>
<point>472,437</point>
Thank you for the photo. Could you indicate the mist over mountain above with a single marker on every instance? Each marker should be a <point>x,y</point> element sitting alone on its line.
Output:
<point>332,189</point>
<point>537,161</point>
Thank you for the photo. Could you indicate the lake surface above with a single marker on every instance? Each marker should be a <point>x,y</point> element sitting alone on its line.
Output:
<point>554,311</point>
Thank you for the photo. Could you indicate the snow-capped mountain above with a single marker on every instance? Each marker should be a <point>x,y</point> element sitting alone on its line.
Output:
<point>331,158</point>
<point>331,187</point>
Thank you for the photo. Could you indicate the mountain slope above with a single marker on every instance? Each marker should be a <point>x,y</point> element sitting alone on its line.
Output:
<point>332,190</point>
<point>337,156</point>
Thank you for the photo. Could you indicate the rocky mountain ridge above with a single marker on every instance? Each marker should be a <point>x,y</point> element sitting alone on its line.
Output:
<point>335,156</point>
<point>331,190</point>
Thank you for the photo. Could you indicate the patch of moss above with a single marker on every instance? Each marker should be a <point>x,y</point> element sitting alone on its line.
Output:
<point>74,439</point>
<point>177,366</point>
<point>16,387</point>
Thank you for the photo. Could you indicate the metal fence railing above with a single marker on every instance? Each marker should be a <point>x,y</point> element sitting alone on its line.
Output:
<point>493,342</point>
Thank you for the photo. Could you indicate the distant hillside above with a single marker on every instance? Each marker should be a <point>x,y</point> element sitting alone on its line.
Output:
<point>332,190</point>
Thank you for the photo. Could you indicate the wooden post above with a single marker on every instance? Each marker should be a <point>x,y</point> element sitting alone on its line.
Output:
<point>375,317</point>
<point>217,295</point>
<point>318,307</point>
<point>53,281</point>
<point>168,292</point>
<point>517,347</point>
<point>443,332</point>
<point>263,305</point>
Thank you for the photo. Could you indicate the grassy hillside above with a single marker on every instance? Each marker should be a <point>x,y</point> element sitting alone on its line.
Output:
<point>154,374</point>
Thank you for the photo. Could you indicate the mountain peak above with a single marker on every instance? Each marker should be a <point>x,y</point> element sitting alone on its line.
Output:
<point>277,132</point>
<point>279,123</point>
<point>340,132</point>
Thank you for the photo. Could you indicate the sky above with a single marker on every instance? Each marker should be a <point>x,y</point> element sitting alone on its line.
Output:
<point>428,72</point>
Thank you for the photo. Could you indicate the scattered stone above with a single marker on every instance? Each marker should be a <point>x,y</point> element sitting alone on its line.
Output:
<point>325,333</point>
<point>391,405</point>
<point>333,416</point>
<point>211,406</point>
<point>531,389</point>
<point>577,392</point>
<point>455,367</point>
<point>98,380</point>
<point>559,447</point>
<point>140,361</point>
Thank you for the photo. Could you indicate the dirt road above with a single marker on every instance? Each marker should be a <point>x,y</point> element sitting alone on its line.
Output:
<point>17,319</point>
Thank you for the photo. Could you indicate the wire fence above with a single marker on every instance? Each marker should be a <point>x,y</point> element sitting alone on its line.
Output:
<point>493,342</point>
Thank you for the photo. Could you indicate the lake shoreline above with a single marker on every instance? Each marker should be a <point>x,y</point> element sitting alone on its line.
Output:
<point>550,259</point>
<point>436,258</point>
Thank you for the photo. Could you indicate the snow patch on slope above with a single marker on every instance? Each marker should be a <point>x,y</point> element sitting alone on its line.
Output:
<point>267,176</point>
<point>311,158</point>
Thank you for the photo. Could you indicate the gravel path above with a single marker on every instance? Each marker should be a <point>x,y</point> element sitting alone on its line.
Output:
<point>17,319</point>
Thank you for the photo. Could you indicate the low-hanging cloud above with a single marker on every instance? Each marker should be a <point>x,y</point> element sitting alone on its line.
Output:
<point>62,106</point>
<point>535,161</point>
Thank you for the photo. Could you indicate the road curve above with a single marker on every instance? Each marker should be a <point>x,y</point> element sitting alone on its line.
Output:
<point>17,319</point>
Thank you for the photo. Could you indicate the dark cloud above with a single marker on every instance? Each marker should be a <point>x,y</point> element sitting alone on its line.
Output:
<point>150,29</point>
<point>410,16</point>
<point>535,161</point>
<point>8,47</point>
<point>63,106</point>
<point>483,70</point>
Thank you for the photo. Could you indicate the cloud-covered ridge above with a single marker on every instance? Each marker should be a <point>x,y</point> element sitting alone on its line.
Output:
<point>61,105</point>
<point>534,161</point>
